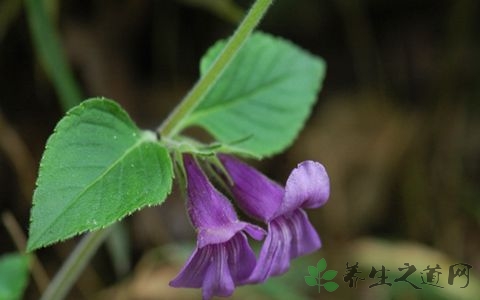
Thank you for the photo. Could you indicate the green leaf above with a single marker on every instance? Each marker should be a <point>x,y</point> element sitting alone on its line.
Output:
<point>311,281</point>
<point>331,286</point>
<point>97,168</point>
<point>13,275</point>
<point>263,98</point>
<point>321,265</point>
<point>313,271</point>
<point>329,275</point>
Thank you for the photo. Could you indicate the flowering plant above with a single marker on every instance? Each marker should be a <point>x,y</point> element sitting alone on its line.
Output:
<point>254,96</point>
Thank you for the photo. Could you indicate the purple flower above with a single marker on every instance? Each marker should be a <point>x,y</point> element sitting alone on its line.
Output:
<point>290,233</point>
<point>222,258</point>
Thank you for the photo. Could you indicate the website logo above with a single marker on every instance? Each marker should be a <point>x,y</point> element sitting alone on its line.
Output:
<point>320,280</point>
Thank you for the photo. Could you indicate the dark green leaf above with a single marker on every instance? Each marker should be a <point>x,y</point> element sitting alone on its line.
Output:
<point>97,168</point>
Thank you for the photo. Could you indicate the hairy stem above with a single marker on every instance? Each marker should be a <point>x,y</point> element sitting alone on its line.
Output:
<point>173,124</point>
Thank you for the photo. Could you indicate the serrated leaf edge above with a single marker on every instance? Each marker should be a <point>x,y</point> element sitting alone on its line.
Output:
<point>146,138</point>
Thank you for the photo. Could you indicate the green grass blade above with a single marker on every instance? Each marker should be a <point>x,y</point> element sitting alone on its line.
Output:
<point>50,53</point>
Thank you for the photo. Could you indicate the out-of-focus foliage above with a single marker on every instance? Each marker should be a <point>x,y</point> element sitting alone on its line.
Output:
<point>397,126</point>
<point>13,275</point>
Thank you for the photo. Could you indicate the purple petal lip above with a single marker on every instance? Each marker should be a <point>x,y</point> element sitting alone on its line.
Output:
<point>288,237</point>
<point>217,268</point>
<point>308,186</point>
<point>217,235</point>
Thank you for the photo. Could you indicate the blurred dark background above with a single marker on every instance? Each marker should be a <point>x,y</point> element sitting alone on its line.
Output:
<point>397,126</point>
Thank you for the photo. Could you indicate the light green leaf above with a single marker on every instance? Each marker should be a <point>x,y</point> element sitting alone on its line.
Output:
<point>331,286</point>
<point>13,276</point>
<point>97,168</point>
<point>321,265</point>
<point>311,281</point>
<point>329,275</point>
<point>263,98</point>
<point>313,271</point>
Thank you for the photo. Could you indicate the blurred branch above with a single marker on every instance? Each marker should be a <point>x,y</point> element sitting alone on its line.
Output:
<point>361,42</point>
<point>16,151</point>
<point>76,262</point>
<point>457,59</point>
<point>225,9</point>
<point>38,272</point>
<point>118,246</point>
<point>461,25</point>
<point>49,49</point>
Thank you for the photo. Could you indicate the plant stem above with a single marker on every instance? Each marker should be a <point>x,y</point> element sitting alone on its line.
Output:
<point>76,262</point>
<point>173,124</point>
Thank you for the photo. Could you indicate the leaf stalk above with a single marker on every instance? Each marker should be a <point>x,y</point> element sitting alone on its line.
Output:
<point>173,124</point>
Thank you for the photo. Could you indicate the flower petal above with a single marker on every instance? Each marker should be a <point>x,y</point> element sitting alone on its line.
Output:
<point>193,272</point>
<point>207,207</point>
<point>308,186</point>
<point>217,235</point>
<point>218,279</point>
<point>256,194</point>
<point>241,258</point>
<point>274,258</point>
<point>304,237</point>
<point>255,231</point>
<point>289,236</point>
<point>218,268</point>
